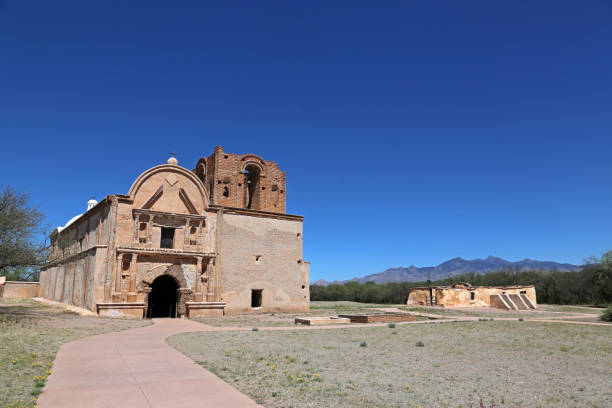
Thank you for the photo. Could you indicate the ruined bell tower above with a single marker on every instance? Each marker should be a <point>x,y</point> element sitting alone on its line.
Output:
<point>243,181</point>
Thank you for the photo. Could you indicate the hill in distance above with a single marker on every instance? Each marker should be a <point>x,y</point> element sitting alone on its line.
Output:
<point>454,267</point>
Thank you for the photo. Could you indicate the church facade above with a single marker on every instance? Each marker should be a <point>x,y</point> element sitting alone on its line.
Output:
<point>210,241</point>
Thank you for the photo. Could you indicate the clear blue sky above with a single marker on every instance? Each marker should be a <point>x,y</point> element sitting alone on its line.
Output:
<point>410,133</point>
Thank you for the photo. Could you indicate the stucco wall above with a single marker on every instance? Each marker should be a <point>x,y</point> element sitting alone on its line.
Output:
<point>75,273</point>
<point>280,270</point>
<point>19,290</point>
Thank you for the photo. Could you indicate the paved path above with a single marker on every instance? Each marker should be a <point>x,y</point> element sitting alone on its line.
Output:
<point>133,369</point>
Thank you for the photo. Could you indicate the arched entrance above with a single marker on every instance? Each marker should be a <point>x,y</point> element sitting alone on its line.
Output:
<point>163,297</point>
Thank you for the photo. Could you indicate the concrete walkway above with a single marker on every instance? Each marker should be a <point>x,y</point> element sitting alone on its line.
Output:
<point>135,368</point>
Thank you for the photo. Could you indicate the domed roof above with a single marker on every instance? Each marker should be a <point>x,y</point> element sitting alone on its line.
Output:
<point>73,219</point>
<point>172,160</point>
<point>91,203</point>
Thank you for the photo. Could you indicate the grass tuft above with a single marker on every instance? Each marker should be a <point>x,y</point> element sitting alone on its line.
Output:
<point>606,316</point>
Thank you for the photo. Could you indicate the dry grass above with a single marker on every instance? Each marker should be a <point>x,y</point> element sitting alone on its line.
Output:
<point>30,335</point>
<point>509,363</point>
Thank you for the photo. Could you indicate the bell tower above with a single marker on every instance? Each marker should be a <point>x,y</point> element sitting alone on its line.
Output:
<point>243,181</point>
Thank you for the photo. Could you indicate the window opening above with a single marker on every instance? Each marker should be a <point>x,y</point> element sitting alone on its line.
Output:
<point>252,181</point>
<point>471,295</point>
<point>256,295</point>
<point>167,238</point>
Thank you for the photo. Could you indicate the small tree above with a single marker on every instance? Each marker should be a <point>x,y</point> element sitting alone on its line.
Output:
<point>20,228</point>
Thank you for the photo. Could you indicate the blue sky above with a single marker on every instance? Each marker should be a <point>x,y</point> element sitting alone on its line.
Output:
<point>410,133</point>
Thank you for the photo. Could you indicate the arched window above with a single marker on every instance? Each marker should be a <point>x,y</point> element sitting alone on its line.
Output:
<point>252,173</point>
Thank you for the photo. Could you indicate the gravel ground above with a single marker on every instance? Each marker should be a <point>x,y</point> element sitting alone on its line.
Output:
<point>30,335</point>
<point>506,363</point>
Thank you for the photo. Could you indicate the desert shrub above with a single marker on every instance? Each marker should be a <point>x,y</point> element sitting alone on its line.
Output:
<point>606,316</point>
<point>520,319</point>
<point>420,344</point>
<point>255,329</point>
<point>391,325</point>
<point>363,344</point>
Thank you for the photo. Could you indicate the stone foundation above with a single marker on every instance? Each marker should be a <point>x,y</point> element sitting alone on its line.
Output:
<point>321,321</point>
<point>205,309</point>
<point>380,317</point>
<point>135,310</point>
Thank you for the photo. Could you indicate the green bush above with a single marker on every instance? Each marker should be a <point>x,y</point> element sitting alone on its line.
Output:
<point>391,325</point>
<point>255,329</point>
<point>420,344</point>
<point>363,344</point>
<point>606,316</point>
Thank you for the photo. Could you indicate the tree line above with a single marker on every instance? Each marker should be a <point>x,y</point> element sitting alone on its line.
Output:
<point>592,285</point>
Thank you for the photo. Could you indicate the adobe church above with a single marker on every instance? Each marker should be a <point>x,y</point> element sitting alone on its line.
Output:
<point>210,241</point>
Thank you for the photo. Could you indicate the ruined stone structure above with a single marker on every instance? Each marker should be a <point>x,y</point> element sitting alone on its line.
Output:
<point>466,295</point>
<point>212,241</point>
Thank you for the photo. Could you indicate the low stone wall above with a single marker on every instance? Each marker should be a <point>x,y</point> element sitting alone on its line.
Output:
<point>320,321</point>
<point>134,310</point>
<point>19,290</point>
<point>205,309</point>
<point>380,318</point>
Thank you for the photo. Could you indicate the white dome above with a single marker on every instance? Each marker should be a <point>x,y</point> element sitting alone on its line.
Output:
<point>73,219</point>
<point>91,203</point>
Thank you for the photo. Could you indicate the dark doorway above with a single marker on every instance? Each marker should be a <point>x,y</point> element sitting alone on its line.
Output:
<point>163,297</point>
<point>167,238</point>
<point>256,297</point>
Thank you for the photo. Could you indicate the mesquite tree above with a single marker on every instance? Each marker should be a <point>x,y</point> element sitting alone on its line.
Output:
<point>21,227</point>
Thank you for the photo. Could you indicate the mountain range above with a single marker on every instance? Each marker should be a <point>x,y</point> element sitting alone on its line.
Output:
<point>454,267</point>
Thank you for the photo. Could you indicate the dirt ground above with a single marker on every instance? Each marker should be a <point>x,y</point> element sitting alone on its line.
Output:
<point>506,363</point>
<point>30,335</point>
<point>287,319</point>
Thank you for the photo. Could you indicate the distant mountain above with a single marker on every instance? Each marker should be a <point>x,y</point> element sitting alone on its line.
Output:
<point>454,267</point>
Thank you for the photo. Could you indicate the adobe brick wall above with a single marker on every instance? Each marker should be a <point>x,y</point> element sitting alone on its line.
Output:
<point>19,290</point>
<point>225,175</point>
<point>451,297</point>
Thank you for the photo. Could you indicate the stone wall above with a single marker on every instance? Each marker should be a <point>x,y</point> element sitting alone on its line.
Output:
<point>262,253</point>
<point>18,290</point>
